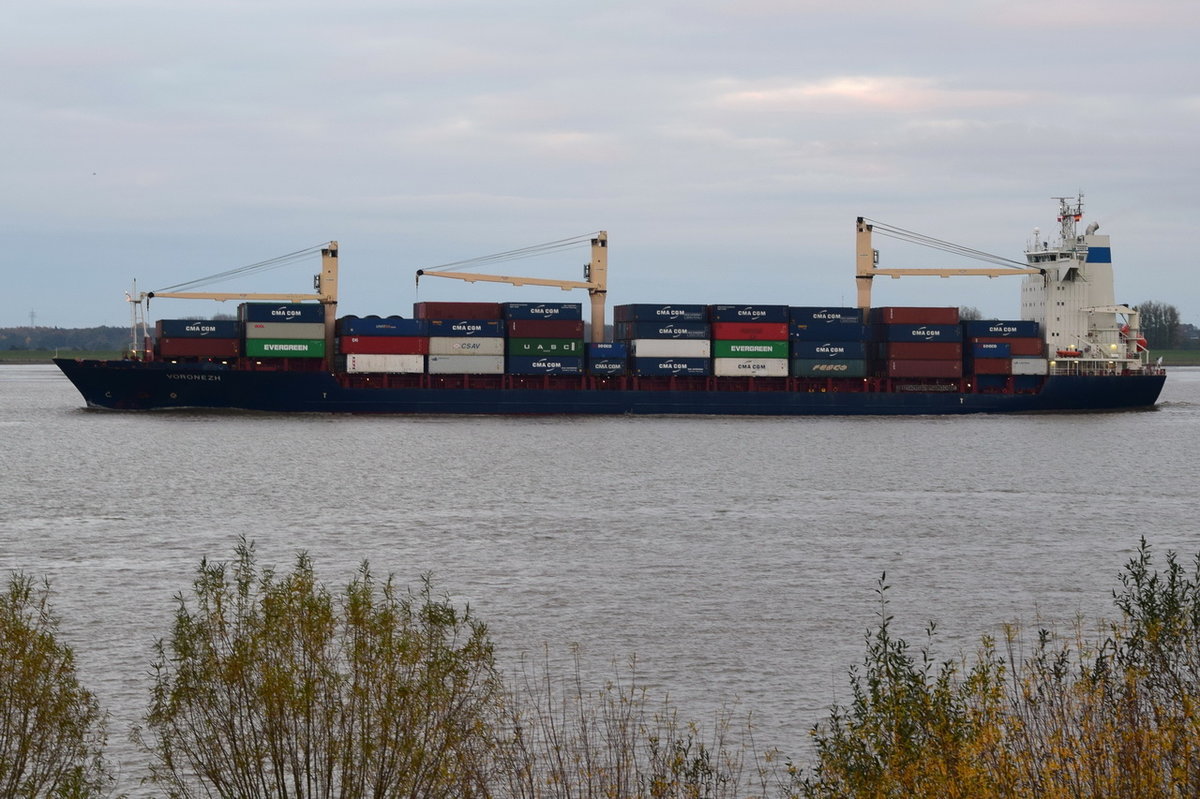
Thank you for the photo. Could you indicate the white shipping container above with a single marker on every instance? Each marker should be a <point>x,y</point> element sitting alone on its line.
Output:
<point>671,348</point>
<point>390,364</point>
<point>1030,366</point>
<point>757,367</point>
<point>454,345</point>
<point>285,330</point>
<point>466,364</point>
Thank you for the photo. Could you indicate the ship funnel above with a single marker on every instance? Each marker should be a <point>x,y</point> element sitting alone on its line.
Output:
<point>1092,228</point>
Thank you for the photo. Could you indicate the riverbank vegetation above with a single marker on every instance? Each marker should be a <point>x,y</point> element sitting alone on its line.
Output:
<point>270,684</point>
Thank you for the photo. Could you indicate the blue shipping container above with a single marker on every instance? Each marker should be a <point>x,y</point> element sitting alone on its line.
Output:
<point>460,328</point>
<point>571,311</point>
<point>381,326</point>
<point>1001,329</point>
<point>950,333</point>
<point>609,367</point>
<point>995,349</point>
<point>608,349</point>
<point>281,312</point>
<point>663,367</point>
<point>748,313</point>
<point>634,330</point>
<point>810,315</point>
<point>844,350</point>
<point>198,328</point>
<point>828,331</point>
<point>640,312</point>
<point>544,365</point>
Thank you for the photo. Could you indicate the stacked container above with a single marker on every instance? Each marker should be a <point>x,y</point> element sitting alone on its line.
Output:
<point>544,338</point>
<point>283,330</point>
<point>1004,347</point>
<point>464,337</point>
<point>382,344</point>
<point>827,342</point>
<point>665,340</point>
<point>917,342</point>
<point>609,359</point>
<point>749,340</point>
<point>189,338</point>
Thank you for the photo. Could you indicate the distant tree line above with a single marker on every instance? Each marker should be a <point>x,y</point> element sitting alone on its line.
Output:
<point>64,338</point>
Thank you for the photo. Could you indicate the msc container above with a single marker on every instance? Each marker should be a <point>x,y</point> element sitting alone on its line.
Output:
<point>544,365</point>
<point>750,349</point>
<point>292,312</point>
<point>991,349</point>
<point>465,365</point>
<point>917,332</point>
<point>748,313</point>
<point>638,330</point>
<point>990,366</point>
<point>819,315</point>
<point>827,367</point>
<point>922,350</point>
<point>381,326</point>
<point>199,347</point>
<point>641,312</point>
<point>752,367</point>
<point>456,310</point>
<point>977,328</point>
<point>1019,347</point>
<point>828,331</point>
<point>387,364</point>
<point>608,367</point>
<point>608,349</point>
<point>845,350</point>
<point>546,346</point>
<point>458,328</point>
<point>662,367</point>
<point>545,328</point>
<point>670,348</point>
<point>897,315</point>
<point>285,330</point>
<point>542,310</point>
<point>1030,366</point>
<point>914,368</point>
<point>750,331</point>
<point>383,345</point>
<point>285,348</point>
<point>439,345</point>
<point>197,328</point>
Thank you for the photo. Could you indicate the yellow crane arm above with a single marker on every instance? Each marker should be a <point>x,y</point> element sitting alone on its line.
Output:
<point>470,277</point>
<point>223,296</point>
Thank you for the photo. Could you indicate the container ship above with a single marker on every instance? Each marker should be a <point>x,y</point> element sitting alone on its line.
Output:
<point>1073,348</point>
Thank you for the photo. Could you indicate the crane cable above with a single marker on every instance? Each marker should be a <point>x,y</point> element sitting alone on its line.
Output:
<point>939,244</point>
<point>533,251</point>
<point>249,269</point>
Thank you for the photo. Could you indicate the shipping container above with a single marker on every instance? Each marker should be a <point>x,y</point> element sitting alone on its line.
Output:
<point>921,350</point>
<point>662,367</point>
<point>546,346</point>
<point>381,326</point>
<point>827,367</point>
<point>907,332</point>
<point>990,366</point>
<point>670,348</point>
<point>897,315</point>
<point>828,331</point>
<point>359,363</point>
<point>914,368</point>
<point>288,312</point>
<point>544,365</point>
<point>748,313</point>
<point>542,310</point>
<point>849,350</point>
<point>456,310</point>
<point>545,328</point>
<point>285,348</point>
<point>439,345</point>
<point>641,312</point>
<point>820,316</point>
<point>383,345</point>
<point>626,331</point>
<point>285,330</point>
<point>199,347</point>
<point>458,328</point>
<point>750,331</point>
<point>750,349</point>
<point>465,364</point>
<point>750,367</point>
<point>608,367</point>
<point>1001,329</point>
<point>608,349</point>
<point>197,328</point>
<point>1030,366</point>
<point>1019,347</point>
<point>991,349</point>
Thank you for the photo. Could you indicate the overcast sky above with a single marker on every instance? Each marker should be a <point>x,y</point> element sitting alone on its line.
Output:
<point>726,147</point>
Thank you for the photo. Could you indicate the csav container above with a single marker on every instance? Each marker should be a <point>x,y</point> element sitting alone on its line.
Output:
<point>641,312</point>
<point>381,326</point>
<point>545,346</point>
<point>357,363</point>
<point>198,347</point>
<point>459,328</point>
<point>454,345</point>
<point>750,349</point>
<point>848,350</point>
<point>666,367</point>
<point>542,310</point>
<point>545,328</point>
<point>456,310</point>
<point>627,331</point>
<point>750,331</point>
<point>750,367</point>
<point>197,328</point>
<point>544,365</point>
<point>748,313</point>
<point>383,345</point>
<point>827,367</point>
<point>285,348</point>
<point>898,315</point>
<point>285,330</point>
<point>670,348</point>
<point>1001,329</point>
<point>465,364</point>
<point>289,312</point>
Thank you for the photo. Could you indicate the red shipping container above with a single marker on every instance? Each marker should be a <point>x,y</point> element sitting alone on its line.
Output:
<point>199,347</point>
<point>923,350</point>
<point>992,366</point>
<point>750,331</point>
<point>456,310</point>
<point>903,368</point>
<point>899,315</point>
<point>1020,347</point>
<point>383,345</point>
<point>545,328</point>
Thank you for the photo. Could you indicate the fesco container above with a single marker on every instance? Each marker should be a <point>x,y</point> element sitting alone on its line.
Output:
<point>383,345</point>
<point>665,367</point>
<point>827,367</point>
<point>608,349</point>
<point>197,328</point>
<point>285,348</point>
<point>285,330</point>
<point>915,368</point>
<point>545,346</point>
<point>670,348</point>
<point>199,347</point>
<point>900,315</point>
<point>808,315</point>
<point>465,364</point>
<point>750,367</point>
<point>638,330</point>
<point>292,312</point>
<point>359,363</point>
<point>642,312</point>
<point>607,367</point>
<point>1030,366</point>
<point>978,328</point>
<point>459,328</point>
<point>544,365</point>
<point>455,345</point>
<point>750,349</point>
<point>990,366</point>
<point>828,331</point>
<point>748,313</point>
<point>991,349</point>
<point>907,332</point>
<point>456,310</point>
<point>545,328</point>
<point>542,310</point>
<point>381,326</point>
<point>843,350</point>
<point>921,350</point>
<point>1018,347</point>
<point>750,331</point>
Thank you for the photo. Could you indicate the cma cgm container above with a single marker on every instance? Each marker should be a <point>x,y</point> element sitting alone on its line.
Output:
<point>852,350</point>
<point>907,332</point>
<point>383,345</point>
<point>995,328</point>
<point>285,348</point>
<point>641,312</point>
<point>608,359</point>
<point>522,311</point>
<point>461,328</point>
<point>638,330</point>
<point>749,331</point>
<point>894,315</point>
<point>544,365</point>
<point>807,315</point>
<point>198,347</point>
<point>777,314</point>
<point>456,310</point>
<point>384,364</point>
<point>466,364</point>
<point>289,312</point>
<point>466,345</point>
<point>678,367</point>
<point>197,328</point>
<point>670,348</point>
<point>381,326</point>
<point>750,367</point>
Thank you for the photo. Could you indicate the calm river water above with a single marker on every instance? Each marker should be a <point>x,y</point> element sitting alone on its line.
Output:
<point>736,558</point>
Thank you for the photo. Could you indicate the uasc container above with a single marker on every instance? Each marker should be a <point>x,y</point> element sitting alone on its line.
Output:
<point>545,346</point>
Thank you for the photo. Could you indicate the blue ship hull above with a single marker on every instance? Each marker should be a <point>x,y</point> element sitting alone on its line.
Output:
<point>135,385</point>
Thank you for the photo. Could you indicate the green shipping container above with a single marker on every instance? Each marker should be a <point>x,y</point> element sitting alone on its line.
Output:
<point>545,346</point>
<point>750,349</point>
<point>828,367</point>
<point>285,348</point>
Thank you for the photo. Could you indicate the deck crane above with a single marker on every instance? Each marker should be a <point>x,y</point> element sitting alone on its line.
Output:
<point>595,281</point>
